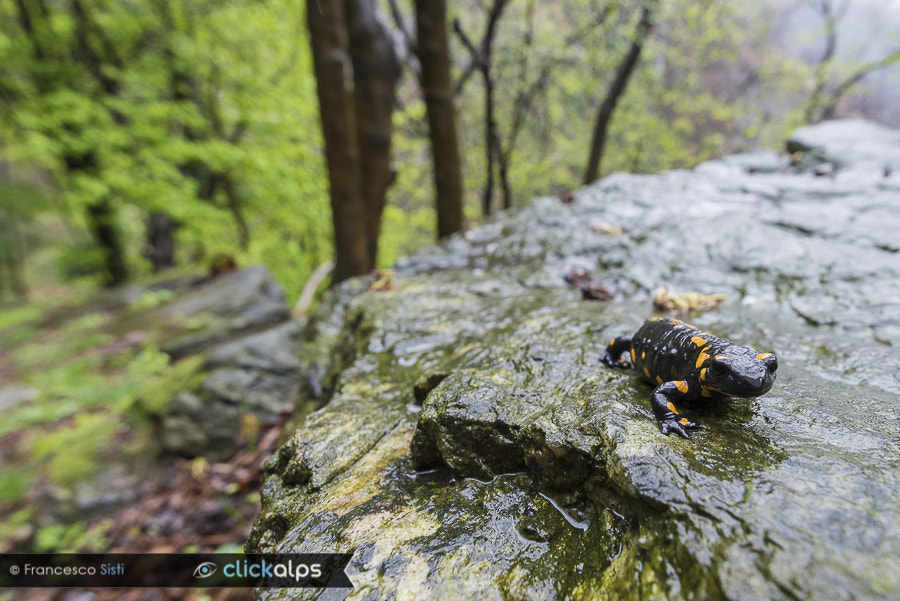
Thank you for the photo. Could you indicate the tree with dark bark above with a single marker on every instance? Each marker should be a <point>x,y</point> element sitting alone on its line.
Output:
<point>349,44</point>
<point>160,249</point>
<point>331,63</point>
<point>434,57</point>
<point>376,71</point>
<point>617,88</point>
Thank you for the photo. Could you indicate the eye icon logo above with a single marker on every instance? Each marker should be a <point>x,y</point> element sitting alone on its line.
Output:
<point>205,569</point>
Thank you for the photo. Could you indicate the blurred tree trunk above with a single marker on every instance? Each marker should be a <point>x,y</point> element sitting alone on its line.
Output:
<point>376,71</point>
<point>331,63</point>
<point>617,88</point>
<point>434,56</point>
<point>161,241</point>
<point>102,220</point>
<point>356,76</point>
<point>12,255</point>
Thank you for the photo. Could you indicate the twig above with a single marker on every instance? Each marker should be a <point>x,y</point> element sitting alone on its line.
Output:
<point>309,290</point>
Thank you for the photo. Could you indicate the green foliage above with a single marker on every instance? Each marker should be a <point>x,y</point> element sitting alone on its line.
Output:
<point>74,338</point>
<point>14,483</point>
<point>72,538</point>
<point>70,454</point>
<point>22,316</point>
<point>204,110</point>
<point>707,84</point>
<point>229,548</point>
<point>402,232</point>
<point>151,299</point>
<point>207,111</point>
<point>64,391</point>
<point>16,523</point>
<point>157,382</point>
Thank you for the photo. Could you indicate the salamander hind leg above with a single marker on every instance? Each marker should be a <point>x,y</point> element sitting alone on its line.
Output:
<point>613,354</point>
<point>662,403</point>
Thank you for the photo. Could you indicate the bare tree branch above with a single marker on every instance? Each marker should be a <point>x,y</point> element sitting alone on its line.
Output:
<point>617,88</point>
<point>409,39</point>
<point>480,60</point>
<point>818,107</point>
<point>828,110</point>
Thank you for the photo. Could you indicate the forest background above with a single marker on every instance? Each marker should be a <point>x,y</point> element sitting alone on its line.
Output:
<point>136,136</point>
<point>149,139</point>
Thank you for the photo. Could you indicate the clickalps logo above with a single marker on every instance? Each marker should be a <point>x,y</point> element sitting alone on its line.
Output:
<point>265,569</point>
<point>205,570</point>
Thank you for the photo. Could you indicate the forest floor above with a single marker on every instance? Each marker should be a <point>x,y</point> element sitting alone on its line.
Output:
<point>67,397</point>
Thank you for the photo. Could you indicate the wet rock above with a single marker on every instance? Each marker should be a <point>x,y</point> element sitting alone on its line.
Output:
<point>17,395</point>
<point>848,143</point>
<point>292,366</point>
<point>251,363</point>
<point>256,375</point>
<point>229,306</point>
<point>474,447</point>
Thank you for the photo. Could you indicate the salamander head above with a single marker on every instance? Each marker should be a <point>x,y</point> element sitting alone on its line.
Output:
<point>744,374</point>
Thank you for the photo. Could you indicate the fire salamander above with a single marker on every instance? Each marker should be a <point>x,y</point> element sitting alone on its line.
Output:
<point>686,364</point>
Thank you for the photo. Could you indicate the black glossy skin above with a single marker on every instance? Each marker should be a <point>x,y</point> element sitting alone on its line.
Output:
<point>685,364</point>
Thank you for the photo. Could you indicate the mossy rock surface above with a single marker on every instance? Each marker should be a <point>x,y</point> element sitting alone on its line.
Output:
<point>474,446</point>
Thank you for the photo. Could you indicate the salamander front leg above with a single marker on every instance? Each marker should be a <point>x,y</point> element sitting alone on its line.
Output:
<point>613,355</point>
<point>662,401</point>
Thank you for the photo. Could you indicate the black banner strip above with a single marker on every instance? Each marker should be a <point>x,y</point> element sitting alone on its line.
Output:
<point>174,570</point>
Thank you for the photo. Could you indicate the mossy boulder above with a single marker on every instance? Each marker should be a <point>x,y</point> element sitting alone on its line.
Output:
<point>474,447</point>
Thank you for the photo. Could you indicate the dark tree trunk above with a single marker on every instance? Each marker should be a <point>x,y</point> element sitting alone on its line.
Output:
<point>12,255</point>
<point>161,241</point>
<point>434,57</point>
<point>236,206</point>
<point>376,71</point>
<point>331,63</point>
<point>103,224</point>
<point>619,84</point>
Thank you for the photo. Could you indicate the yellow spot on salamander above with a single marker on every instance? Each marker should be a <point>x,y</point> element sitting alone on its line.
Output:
<point>698,340</point>
<point>644,355</point>
<point>612,342</point>
<point>762,356</point>
<point>646,373</point>
<point>672,407</point>
<point>682,386</point>
<point>632,355</point>
<point>702,359</point>
<point>684,421</point>
<point>702,374</point>
<point>655,319</point>
<point>658,379</point>
<point>705,392</point>
<point>691,327</point>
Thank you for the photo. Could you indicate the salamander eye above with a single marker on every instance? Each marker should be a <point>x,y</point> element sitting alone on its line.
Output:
<point>770,361</point>
<point>719,365</point>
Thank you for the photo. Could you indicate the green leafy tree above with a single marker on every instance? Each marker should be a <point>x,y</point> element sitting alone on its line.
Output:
<point>198,111</point>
